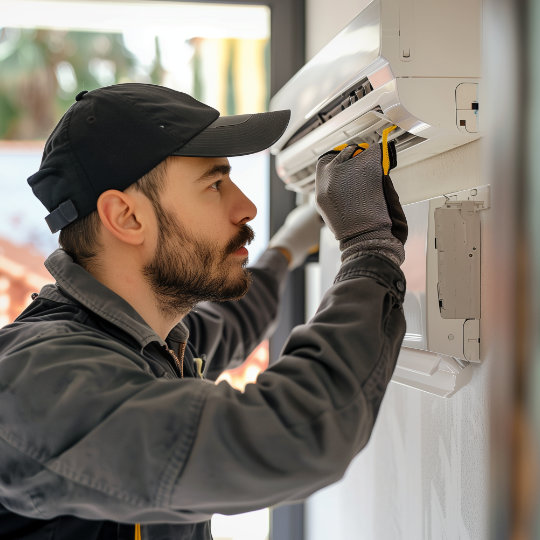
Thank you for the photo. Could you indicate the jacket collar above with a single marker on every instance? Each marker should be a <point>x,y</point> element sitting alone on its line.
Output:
<point>73,280</point>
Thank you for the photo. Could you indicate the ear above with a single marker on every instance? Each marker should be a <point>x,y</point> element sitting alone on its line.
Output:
<point>122,215</point>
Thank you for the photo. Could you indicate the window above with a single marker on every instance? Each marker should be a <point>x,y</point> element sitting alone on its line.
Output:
<point>50,50</point>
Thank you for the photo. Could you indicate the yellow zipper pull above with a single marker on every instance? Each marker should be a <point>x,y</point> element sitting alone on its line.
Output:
<point>199,365</point>
<point>138,531</point>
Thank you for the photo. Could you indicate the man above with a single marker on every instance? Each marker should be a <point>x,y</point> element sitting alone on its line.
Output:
<point>108,429</point>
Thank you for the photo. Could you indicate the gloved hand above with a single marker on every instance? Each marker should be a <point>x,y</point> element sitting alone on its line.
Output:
<point>359,203</point>
<point>299,235</point>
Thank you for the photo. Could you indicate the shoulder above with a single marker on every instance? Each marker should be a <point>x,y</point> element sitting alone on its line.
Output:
<point>27,333</point>
<point>62,345</point>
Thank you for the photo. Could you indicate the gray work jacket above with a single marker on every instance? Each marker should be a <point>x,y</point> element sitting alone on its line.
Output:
<point>98,431</point>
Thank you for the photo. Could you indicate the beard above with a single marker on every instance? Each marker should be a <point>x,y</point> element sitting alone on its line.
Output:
<point>185,270</point>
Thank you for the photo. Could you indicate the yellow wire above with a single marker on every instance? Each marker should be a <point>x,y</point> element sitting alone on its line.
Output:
<point>386,157</point>
<point>137,531</point>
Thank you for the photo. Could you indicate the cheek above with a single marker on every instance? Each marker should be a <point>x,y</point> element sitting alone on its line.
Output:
<point>207,223</point>
<point>204,215</point>
<point>201,226</point>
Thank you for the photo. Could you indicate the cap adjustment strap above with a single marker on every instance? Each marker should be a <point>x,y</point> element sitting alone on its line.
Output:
<point>62,215</point>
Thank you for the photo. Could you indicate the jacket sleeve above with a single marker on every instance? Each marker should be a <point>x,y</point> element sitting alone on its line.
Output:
<point>225,333</point>
<point>90,433</point>
<point>297,429</point>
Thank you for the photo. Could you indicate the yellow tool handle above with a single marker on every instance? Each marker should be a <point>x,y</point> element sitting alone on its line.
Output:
<point>362,146</point>
<point>365,146</point>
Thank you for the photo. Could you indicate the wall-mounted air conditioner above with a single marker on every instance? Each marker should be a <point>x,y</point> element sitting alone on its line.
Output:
<point>412,63</point>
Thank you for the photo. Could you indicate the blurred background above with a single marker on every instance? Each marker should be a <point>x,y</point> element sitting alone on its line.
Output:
<point>51,50</point>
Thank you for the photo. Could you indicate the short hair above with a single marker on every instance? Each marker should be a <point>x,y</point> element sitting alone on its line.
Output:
<point>80,239</point>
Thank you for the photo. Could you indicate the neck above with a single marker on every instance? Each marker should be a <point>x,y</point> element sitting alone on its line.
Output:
<point>128,282</point>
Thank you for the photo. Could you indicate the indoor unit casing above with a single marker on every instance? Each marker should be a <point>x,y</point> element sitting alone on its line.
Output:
<point>410,63</point>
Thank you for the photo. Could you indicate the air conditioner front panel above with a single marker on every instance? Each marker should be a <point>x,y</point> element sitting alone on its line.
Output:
<point>389,104</point>
<point>337,66</point>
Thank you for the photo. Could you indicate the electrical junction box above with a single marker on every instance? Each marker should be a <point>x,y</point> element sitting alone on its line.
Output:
<point>457,241</point>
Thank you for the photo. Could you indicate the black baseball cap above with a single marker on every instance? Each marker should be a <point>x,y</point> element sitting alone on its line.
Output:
<point>112,136</point>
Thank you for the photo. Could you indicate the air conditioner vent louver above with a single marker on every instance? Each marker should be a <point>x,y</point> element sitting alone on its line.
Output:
<point>340,103</point>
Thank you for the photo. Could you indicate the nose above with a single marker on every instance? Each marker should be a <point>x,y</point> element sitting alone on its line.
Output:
<point>243,210</point>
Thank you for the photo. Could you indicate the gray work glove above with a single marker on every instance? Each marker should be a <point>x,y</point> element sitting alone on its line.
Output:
<point>299,235</point>
<point>358,201</point>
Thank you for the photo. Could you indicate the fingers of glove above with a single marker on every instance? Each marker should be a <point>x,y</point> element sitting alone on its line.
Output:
<point>299,234</point>
<point>337,156</point>
<point>346,153</point>
<point>360,147</point>
<point>350,195</point>
<point>334,172</point>
<point>397,215</point>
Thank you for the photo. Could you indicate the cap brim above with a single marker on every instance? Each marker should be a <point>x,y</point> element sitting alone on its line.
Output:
<point>237,135</point>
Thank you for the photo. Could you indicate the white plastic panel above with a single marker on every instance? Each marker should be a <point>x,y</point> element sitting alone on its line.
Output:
<point>437,374</point>
<point>441,37</point>
<point>415,300</point>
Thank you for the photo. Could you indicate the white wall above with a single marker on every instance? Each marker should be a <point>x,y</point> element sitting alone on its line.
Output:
<point>425,472</point>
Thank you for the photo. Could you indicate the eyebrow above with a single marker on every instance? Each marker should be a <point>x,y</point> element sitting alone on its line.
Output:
<point>214,171</point>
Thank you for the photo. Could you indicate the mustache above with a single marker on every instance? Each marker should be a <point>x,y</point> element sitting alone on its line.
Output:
<point>244,236</point>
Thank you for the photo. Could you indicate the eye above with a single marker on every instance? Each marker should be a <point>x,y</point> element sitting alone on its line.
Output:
<point>216,186</point>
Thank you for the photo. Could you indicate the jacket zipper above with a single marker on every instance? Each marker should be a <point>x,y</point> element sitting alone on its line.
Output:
<point>180,365</point>
<point>179,362</point>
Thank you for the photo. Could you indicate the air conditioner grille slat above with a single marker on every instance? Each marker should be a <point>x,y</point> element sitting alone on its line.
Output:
<point>332,109</point>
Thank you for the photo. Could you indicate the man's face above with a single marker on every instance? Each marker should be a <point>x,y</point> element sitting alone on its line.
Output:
<point>202,231</point>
